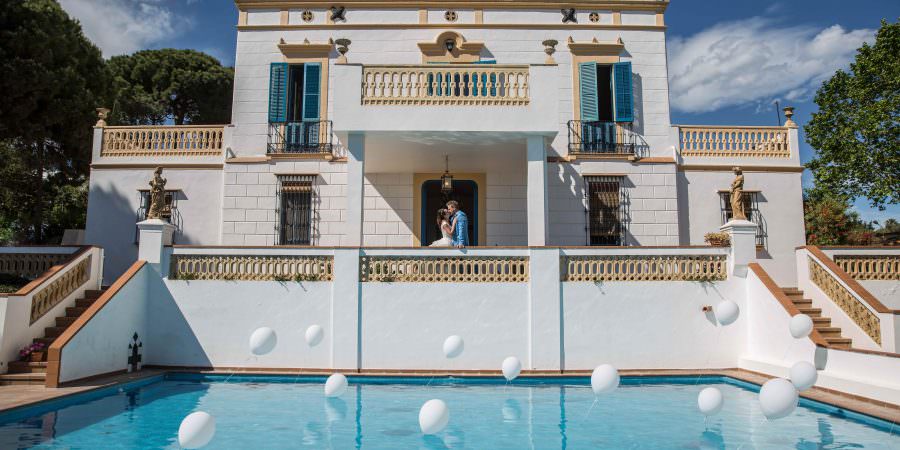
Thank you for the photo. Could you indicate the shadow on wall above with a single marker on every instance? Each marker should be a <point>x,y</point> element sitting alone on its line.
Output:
<point>575,233</point>
<point>173,340</point>
<point>111,225</point>
<point>684,210</point>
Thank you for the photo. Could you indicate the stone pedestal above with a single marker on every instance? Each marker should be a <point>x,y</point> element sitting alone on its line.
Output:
<point>154,235</point>
<point>743,245</point>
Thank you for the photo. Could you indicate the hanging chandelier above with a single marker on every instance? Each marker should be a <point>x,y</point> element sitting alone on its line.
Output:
<point>446,178</point>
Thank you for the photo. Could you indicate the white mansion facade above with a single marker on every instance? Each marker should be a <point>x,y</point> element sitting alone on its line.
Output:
<point>551,117</point>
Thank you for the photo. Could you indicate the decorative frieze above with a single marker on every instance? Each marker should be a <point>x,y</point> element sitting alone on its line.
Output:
<point>713,141</point>
<point>185,140</point>
<point>870,267</point>
<point>867,320</point>
<point>644,268</point>
<point>30,265</point>
<point>252,268</point>
<point>446,85</point>
<point>441,269</point>
<point>52,293</point>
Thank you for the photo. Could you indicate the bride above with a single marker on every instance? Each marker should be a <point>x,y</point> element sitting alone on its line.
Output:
<point>443,221</point>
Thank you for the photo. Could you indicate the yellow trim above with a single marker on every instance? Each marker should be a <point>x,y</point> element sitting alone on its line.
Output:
<point>311,53</point>
<point>285,17</point>
<point>576,78</point>
<point>242,18</point>
<point>617,18</point>
<point>480,180</point>
<point>479,16</point>
<point>423,16</point>
<point>660,19</point>
<point>465,52</point>
<point>623,5</point>
<point>416,26</point>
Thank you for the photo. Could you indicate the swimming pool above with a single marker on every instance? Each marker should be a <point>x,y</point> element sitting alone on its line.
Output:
<point>382,413</point>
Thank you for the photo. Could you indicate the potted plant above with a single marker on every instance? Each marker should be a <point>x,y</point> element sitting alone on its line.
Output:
<point>32,352</point>
<point>718,239</point>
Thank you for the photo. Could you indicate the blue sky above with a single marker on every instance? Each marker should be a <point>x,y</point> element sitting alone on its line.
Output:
<point>786,49</point>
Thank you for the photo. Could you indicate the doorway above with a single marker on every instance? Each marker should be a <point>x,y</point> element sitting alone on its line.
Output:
<point>464,191</point>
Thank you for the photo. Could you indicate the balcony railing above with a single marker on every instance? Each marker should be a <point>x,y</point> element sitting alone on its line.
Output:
<point>449,85</point>
<point>601,138</point>
<point>182,140</point>
<point>751,142</point>
<point>305,137</point>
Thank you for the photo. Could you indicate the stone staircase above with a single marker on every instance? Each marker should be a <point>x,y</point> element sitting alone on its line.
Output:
<point>822,324</point>
<point>29,372</point>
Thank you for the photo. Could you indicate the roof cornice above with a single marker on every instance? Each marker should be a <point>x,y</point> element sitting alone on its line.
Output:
<point>629,5</point>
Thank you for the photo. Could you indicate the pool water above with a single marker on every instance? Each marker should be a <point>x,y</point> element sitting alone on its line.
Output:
<point>290,412</point>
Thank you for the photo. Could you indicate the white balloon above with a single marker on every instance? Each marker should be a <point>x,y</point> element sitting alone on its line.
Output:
<point>196,430</point>
<point>453,346</point>
<point>710,401</point>
<point>803,375</point>
<point>604,379</point>
<point>778,398</point>
<point>512,367</point>
<point>335,385</point>
<point>314,335</point>
<point>727,312</point>
<point>433,416</point>
<point>801,326</point>
<point>263,341</point>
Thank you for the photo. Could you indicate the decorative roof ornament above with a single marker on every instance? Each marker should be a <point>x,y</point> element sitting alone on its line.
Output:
<point>569,15</point>
<point>550,49</point>
<point>102,115</point>
<point>338,14</point>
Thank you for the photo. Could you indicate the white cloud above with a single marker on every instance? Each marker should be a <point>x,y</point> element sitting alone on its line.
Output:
<point>753,61</point>
<point>125,26</point>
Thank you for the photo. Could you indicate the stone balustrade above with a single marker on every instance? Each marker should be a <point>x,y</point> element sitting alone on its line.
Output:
<point>252,267</point>
<point>182,140</point>
<point>444,269</point>
<point>30,265</point>
<point>870,267</point>
<point>719,141</point>
<point>596,268</point>
<point>452,85</point>
<point>48,295</point>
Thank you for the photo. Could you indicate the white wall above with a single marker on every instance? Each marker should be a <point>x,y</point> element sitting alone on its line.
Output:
<point>114,200</point>
<point>780,206</point>
<point>388,210</point>
<point>886,291</point>
<point>101,346</point>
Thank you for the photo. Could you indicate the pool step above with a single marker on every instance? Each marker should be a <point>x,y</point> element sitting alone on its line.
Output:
<point>27,372</point>
<point>832,335</point>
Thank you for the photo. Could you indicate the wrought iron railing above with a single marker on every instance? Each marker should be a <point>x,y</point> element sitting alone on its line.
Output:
<point>306,137</point>
<point>601,138</point>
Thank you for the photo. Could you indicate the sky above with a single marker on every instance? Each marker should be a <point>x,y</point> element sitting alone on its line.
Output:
<point>763,51</point>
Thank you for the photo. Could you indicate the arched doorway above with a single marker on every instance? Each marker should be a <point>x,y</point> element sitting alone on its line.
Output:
<point>465,192</point>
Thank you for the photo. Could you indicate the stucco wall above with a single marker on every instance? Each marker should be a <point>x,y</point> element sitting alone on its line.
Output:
<point>114,200</point>
<point>388,210</point>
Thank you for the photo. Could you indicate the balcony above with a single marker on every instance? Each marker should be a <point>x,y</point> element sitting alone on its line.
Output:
<point>462,85</point>
<point>301,138</point>
<point>165,140</point>
<point>602,138</point>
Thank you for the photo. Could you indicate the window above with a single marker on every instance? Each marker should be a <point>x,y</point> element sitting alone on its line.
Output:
<point>295,125</point>
<point>606,110</point>
<point>295,210</point>
<point>605,210</point>
<point>751,210</point>
<point>169,213</point>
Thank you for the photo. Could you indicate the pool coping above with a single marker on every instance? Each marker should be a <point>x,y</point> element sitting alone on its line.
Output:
<point>38,395</point>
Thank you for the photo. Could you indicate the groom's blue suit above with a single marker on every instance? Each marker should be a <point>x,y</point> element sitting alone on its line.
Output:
<point>461,232</point>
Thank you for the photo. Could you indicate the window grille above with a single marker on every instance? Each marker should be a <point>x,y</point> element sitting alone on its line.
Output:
<point>295,209</point>
<point>169,212</point>
<point>606,210</point>
<point>751,210</point>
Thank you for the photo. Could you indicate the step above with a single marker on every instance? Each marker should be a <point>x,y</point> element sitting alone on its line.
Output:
<point>65,321</point>
<point>811,312</point>
<point>843,343</point>
<point>23,378</point>
<point>54,332</point>
<point>92,294</point>
<point>27,367</point>
<point>75,311</point>
<point>85,302</point>
<point>45,340</point>
<point>829,332</point>
<point>791,290</point>
<point>802,302</point>
<point>821,321</point>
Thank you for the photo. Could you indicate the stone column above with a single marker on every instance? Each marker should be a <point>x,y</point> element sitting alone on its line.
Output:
<point>545,338</point>
<point>743,245</point>
<point>345,311</point>
<point>537,192</point>
<point>155,234</point>
<point>353,226</point>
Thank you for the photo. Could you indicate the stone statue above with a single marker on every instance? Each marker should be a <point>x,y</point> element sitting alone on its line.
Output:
<point>737,196</point>
<point>157,195</point>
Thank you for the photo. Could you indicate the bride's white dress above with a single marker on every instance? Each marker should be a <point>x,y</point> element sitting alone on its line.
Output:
<point>446,240</point>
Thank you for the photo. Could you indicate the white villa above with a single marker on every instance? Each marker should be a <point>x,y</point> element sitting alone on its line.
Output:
<point>354,122</point>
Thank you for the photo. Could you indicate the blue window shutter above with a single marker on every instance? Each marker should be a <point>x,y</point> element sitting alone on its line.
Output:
<point>312,82</point>
<point>623,92</point>
<point>278,92</point>
<point>588,77</point>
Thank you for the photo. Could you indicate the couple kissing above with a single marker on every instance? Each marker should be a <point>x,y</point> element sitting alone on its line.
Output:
<point>454,226</point>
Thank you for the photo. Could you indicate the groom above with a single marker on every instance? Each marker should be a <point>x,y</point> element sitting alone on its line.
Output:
<point>461,225</point>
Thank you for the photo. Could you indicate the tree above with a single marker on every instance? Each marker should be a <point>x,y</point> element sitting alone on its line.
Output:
<point>185,86</point>
<point>53,79</point>
<point>857,128</point>
<point>830,221</point>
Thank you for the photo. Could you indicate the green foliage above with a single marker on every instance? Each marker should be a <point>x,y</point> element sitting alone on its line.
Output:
<point>857,128</point>
<point>53,79</point>
<point>186,86</point>
<point>829,221</point>
<point>11,283</point>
